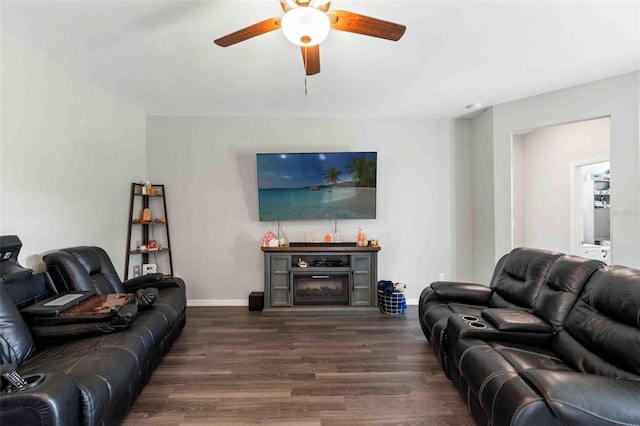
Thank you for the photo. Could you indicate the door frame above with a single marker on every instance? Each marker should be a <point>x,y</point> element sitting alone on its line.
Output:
<point>575,201</point>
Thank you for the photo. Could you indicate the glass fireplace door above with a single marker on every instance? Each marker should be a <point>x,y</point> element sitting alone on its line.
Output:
<point>320,288</point>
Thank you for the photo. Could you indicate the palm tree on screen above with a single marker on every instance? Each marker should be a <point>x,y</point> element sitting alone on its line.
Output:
<point>331,176</point>
<point>363,172</point>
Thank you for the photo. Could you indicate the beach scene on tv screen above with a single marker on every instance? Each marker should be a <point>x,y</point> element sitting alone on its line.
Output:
<point>336,185</point>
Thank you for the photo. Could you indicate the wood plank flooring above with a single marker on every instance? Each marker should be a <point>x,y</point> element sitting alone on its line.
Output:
<point>233,366</point>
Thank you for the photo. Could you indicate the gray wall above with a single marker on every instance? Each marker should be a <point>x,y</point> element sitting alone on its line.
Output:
<point>208,167</point>
<point>482,199</point>
<point>68,154</point>
<point>617,98</point>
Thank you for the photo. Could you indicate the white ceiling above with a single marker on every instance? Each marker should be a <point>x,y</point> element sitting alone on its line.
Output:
<point>160,57</point>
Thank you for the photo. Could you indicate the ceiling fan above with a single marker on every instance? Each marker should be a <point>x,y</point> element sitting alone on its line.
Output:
<point>306,23</point>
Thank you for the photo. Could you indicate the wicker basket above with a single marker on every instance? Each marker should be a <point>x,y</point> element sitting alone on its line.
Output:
<point>393,303</point>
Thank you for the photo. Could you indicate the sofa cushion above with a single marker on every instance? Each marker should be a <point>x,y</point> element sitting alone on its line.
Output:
<point>602,331</point>
<point>523,357</point>
<point>581,399</point>
<point>496,384</point>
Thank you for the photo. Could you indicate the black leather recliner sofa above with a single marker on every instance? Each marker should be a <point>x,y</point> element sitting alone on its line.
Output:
<point>83,380</point>
<point>572,358</point>
<point>517,280</point>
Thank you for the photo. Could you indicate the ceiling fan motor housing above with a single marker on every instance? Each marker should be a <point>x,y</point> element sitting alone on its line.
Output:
<point>305,26</point>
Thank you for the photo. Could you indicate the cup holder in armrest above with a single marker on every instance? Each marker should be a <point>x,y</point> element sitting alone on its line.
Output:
<point>470,318</point>
<point>32,381</point>
<point>477,324</point>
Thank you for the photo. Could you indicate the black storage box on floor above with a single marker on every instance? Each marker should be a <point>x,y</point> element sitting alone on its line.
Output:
<point>256,300</point>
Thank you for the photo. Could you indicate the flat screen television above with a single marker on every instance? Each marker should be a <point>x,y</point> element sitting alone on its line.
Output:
<point>321,185</point>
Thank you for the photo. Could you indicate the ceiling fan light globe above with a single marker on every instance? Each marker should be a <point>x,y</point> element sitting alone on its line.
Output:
<point>305,26</point>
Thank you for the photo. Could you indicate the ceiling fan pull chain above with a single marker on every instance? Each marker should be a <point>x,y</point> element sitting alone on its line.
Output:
<point>305,72</point>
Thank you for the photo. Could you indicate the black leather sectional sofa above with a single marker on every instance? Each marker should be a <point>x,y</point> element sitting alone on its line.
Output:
<point>89,371</point>
<point>553,340</point>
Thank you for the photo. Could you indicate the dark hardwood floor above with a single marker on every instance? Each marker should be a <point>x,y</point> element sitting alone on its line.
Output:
<point>233,366</point>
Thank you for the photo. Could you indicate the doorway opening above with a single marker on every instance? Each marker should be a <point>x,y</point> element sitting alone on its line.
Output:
<point>590,208</point>
<point>545,204</point>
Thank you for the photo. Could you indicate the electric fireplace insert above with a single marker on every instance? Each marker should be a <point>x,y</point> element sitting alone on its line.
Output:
<point>319,288</point>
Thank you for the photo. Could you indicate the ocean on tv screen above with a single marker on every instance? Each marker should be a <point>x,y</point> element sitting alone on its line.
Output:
<point>317,185</point>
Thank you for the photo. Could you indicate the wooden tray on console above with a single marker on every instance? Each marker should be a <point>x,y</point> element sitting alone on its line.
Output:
<point>99,304</point>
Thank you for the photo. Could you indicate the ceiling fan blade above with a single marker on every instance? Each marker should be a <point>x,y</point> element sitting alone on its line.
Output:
<point>343,20</point>
<point>311,59</point>
<point>251,31</point>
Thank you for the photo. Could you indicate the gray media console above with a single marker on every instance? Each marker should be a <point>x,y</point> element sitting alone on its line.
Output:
<point>340,279</point>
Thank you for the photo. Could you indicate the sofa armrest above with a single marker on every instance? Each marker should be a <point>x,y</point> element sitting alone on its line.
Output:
<point>515,320</point>
<point>461,327</point>
<point>158,281</point>
<point>581,398</point>
<point>471,293</point>
<point>55,401</point>
<point>142,281</point>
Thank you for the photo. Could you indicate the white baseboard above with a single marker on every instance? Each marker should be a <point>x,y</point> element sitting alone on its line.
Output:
<point>217,302</point>
<point>243,302</point>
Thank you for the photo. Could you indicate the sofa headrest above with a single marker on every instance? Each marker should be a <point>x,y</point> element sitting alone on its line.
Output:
<point>88,258</point>
<point>85,268</point>
<point>615,294</point>
<point>566,279</point>
<point>523,273</point>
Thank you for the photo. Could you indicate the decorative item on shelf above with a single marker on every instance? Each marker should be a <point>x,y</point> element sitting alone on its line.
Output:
<point>328,238</point>
<point>373,243</point>
<point>149,268</point>
<point>136,220</point>
<point>313,237</point>
<point>302,263</point>
<point>160,247</point>
<point>146,215</point>
<point>147,188</point>
<point>163,220</point>
<point>152,191</point>
<point>362,238</point>
<point>270,240</point>
<point>142,248</point>
<point>152,244</point>
<point>282,242</point>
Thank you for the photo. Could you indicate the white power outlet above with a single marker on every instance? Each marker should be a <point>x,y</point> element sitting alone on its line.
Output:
<point>441,277</point>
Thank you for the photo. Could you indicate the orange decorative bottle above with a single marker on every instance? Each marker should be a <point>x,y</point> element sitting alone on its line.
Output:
<point>362,238</point>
